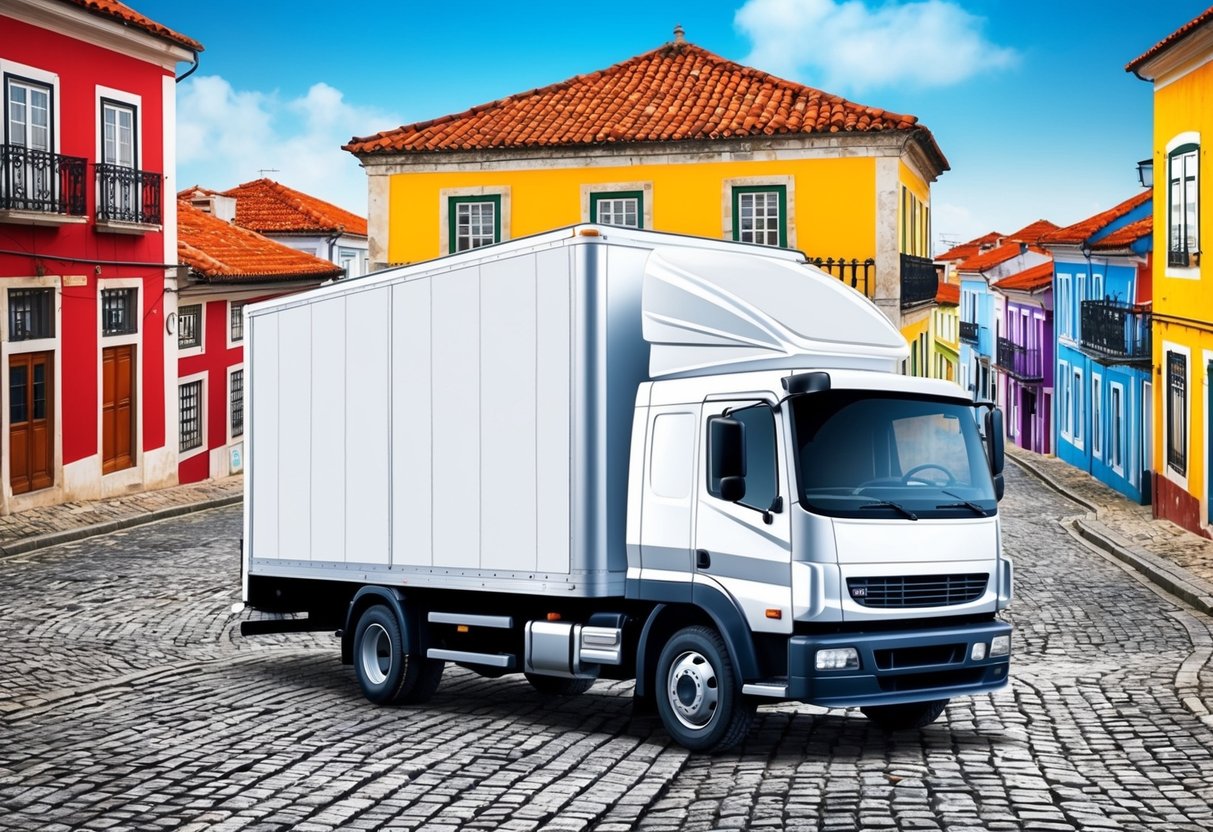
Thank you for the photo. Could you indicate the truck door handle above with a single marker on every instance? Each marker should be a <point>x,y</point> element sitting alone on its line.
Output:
<point>702,559</point>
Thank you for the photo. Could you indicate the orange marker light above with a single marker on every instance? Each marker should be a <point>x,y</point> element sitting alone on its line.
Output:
<point>461,628</point>
<point>776,614</point>
<point>553,616</point>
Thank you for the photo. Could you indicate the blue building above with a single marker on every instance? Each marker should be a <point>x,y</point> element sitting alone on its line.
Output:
<point>1101,295</point>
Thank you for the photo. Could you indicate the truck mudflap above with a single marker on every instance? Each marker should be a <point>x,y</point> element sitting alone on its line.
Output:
<point>899,667</point>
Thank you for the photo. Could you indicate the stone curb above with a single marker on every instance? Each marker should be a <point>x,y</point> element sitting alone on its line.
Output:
<point>42,541</point>
<point>1174,579</point>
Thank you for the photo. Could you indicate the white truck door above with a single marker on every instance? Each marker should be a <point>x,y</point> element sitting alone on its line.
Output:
<point>744,549</point>
<point>669,496</point>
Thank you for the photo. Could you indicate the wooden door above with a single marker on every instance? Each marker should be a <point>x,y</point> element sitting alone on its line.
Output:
<point>31,421</point>
<point>117,408</point>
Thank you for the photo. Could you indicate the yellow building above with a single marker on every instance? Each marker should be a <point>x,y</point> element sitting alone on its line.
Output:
<point>677,139</point>
<point>1181,71</point>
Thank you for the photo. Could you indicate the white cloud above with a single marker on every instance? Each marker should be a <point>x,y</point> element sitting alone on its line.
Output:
<point>849,47</point>
<point>227,136</point>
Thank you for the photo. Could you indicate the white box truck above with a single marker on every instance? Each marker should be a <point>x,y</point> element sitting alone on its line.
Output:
<point>607,453</point>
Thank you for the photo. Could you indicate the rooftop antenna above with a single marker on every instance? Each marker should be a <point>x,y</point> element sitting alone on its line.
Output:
<point>264,171</point>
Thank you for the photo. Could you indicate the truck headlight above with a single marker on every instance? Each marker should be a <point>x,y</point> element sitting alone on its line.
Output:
<point>838,658</point>
<point>1000,646</point>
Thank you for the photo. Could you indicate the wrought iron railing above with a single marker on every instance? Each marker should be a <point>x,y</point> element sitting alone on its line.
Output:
<point>1116,331</point>
<point>919,280</point>
<point>968,331</point>
<point>128,195</point>
<point>855,273</point>
<point>1020,362</point>
<point>37,180</point>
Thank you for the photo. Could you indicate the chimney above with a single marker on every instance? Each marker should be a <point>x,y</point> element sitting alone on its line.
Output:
<point>679,34</point>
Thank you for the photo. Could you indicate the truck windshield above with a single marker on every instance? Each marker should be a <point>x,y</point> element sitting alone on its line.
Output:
<point>865,454</point>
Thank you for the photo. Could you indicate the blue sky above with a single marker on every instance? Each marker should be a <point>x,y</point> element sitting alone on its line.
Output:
<point>1029,100</point>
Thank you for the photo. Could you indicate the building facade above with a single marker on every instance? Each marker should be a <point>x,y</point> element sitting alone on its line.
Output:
<point>1181,72</point>
<point>677,139</point>
<point>228,267</point>
<point>87,250</point>
<point>1024,357</point>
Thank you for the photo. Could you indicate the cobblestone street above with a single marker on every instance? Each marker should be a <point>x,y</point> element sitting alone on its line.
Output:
<point>130,701</point>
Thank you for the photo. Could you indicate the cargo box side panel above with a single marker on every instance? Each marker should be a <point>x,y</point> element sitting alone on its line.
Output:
<point>328,430</point>
<point>508,410</point>
<point>368,426</point>
<point>293,433</point>
<point>553,416</point>
<point>262,439</point>
<point>456,408</point>
<point>412,425</point>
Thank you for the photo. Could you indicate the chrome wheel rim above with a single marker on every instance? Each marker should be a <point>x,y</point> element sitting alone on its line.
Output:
<point>693,690</point>
<point>375,657</point>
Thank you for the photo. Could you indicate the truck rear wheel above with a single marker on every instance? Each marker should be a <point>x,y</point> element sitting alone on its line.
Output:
<point>698,697</point>
<point>386,673</point>
<point>558,685</point>
<point>905,717</point>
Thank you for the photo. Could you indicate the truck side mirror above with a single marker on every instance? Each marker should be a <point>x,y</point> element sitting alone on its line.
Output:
<point>726,458</point>
<point>995,448</point>
<point>1000,487</point>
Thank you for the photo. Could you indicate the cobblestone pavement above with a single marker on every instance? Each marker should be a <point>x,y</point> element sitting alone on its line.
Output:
<point>129,701</point>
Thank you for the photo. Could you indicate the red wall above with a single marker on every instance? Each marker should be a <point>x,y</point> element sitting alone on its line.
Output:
<point>81,66</point>
<point>215,360</point>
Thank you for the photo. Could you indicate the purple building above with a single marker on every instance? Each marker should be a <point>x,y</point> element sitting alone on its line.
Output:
<point>1024,356</point>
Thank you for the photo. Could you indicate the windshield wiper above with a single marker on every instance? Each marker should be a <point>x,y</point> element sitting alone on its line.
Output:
<point>902,510</point>
<point>963,504</point>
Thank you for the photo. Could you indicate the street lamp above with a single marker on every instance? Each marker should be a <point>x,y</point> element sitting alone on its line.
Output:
<point>1145,173</point>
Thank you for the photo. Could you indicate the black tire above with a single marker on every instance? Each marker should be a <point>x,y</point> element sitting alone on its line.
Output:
<point>698,696</point>
<point>905,717</point>
<point>386,673</point>
<point>559,686</point>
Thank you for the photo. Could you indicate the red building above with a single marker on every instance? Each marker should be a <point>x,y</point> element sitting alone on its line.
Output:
<point>87,250</point>
<point>229,266</point>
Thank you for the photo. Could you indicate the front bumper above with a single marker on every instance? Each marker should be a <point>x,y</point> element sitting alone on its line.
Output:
<point>898,667</point>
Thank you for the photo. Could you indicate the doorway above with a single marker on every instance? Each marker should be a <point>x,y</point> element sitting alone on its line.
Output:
<point>117,408</point>
<point>31,421</point>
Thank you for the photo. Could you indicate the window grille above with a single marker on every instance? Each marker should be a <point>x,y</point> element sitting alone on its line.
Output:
<point>190,409</point>
<point>29,314</point>
<point>237,320</point>
<point>118,312</point>
<point>189,327</point>
<point>237,400</point>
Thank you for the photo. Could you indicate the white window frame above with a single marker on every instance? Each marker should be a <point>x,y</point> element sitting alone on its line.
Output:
<point>1164,462</point>
<point>188,352</point>
<point>1190,272</point>
<point>1097,416</point>
<point>1119,438</point>
<point>1077,439</point>
<point>231,303</point>
<point>203,447</point>
<point>39,76</point>
<point>232,436</point>
<point>603,189</point>
<point>444,211</point>
<point>1065,410</point>
<point>135,472</point>
<point>788,183</point>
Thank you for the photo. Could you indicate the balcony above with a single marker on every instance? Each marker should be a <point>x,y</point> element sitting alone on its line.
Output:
<point>128,200</point>
<point>855,273</point>
<point>1114,332</point>
<point>1019,362</point>
<point>968,332</point>
<point>40,188</point>
<point>919,280</point>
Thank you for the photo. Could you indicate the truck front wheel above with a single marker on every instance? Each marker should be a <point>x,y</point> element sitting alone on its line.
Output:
<point>386,673</point>
<point>698,697</point>
<point>905,717</point>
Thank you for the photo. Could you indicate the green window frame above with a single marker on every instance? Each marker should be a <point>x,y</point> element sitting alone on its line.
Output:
<point>614,209</point>
<point>753,206</point>
<point>1183,206</point>
<point>468,228</point>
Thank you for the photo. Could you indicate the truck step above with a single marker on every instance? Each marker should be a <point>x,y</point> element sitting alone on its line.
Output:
<point>776,690</point>
<point>497,622</point>
<point>503,660</point>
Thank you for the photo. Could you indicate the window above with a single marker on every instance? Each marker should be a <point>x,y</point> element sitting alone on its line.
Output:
<point>1065,415</point>
<point>237,402</point>
<point>189,327</point>
<point>1096,417</point>
<point>120,195</point>
<point>347,258</point>
<point>475,221</point>
<point>29,114</point>
<point>1177,411</point>
<point>118,312</point>
<point>760,215</point>
<point>1116,412</point>
<point>1076,396</point>
<point>30,315</point>
<point>189,404</point>
<point>237,316</point>
<point>117,134</point>
<point>625,208</point>
<point>762,469</point>
<point>1183,242</point>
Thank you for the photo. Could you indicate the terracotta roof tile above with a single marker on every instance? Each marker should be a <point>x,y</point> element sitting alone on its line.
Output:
<point>1033,232</point>
<point>225,253</point>
<point>129,17</point>
<point>1029,280</point>
<point>1126,236</point>
<point>676,92</point>
<point>993,257</point>
<point>1081,231</point>
<point>970,249</point>
<point>1171,39</point>
<point>948,293</point>
<point>267,207</point>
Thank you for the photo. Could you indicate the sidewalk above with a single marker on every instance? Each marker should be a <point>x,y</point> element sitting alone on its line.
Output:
<point>52,525</point>
<point>1175,559</point>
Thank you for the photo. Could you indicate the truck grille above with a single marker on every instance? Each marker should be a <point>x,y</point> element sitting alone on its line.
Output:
<point>918,590</point>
